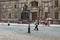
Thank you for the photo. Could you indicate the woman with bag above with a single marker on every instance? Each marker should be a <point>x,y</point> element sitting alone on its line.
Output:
<point>36,25</point>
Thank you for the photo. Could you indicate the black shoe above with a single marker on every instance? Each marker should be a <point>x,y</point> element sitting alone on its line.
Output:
<point>37,29</point>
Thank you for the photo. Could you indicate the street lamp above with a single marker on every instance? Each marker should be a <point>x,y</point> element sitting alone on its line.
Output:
<point>29,20</point>
<point>25,8</point>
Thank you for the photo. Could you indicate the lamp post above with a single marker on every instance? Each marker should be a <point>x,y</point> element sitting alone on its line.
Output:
<point>29,27</point>
<point>29,20</point>
<point>25,8</point>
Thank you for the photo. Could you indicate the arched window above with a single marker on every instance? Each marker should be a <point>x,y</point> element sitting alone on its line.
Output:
<point>34,4</point>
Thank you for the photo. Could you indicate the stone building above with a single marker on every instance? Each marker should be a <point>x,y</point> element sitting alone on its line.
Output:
<point>12,10</point>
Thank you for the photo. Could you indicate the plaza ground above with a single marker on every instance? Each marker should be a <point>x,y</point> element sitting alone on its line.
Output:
<point>19,32</point>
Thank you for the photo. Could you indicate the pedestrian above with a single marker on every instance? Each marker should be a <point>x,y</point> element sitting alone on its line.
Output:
<point>36,25</point>
<point>46,22</point>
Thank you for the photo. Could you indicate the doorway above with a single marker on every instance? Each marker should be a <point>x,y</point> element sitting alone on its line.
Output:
<point>34,16</point>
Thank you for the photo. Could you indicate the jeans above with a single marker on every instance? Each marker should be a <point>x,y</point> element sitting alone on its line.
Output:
<point>36,27</point>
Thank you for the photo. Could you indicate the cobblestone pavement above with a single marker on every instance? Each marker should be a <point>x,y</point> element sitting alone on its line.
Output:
<point>13,36</point>
<point>19,32</point>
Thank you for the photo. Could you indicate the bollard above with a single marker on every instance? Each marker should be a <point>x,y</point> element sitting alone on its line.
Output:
<point>8,24</point>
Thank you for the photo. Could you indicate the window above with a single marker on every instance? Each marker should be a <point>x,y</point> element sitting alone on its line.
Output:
<point>4,14</point>
<point>56,15</point>
<point>10,5</point>
<point>34,3</point>
<point>4,5</point>
<point>16,4</point>
<point>10,14</point>
<point>16,14</point>
<point>46,14</point>
<point>56,3</point>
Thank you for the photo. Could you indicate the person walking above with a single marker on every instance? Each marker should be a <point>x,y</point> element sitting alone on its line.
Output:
<point>46,21</point>
<point>36,25</point>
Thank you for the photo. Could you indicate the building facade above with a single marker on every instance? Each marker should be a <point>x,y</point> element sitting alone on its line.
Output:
<point>12,10</point>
